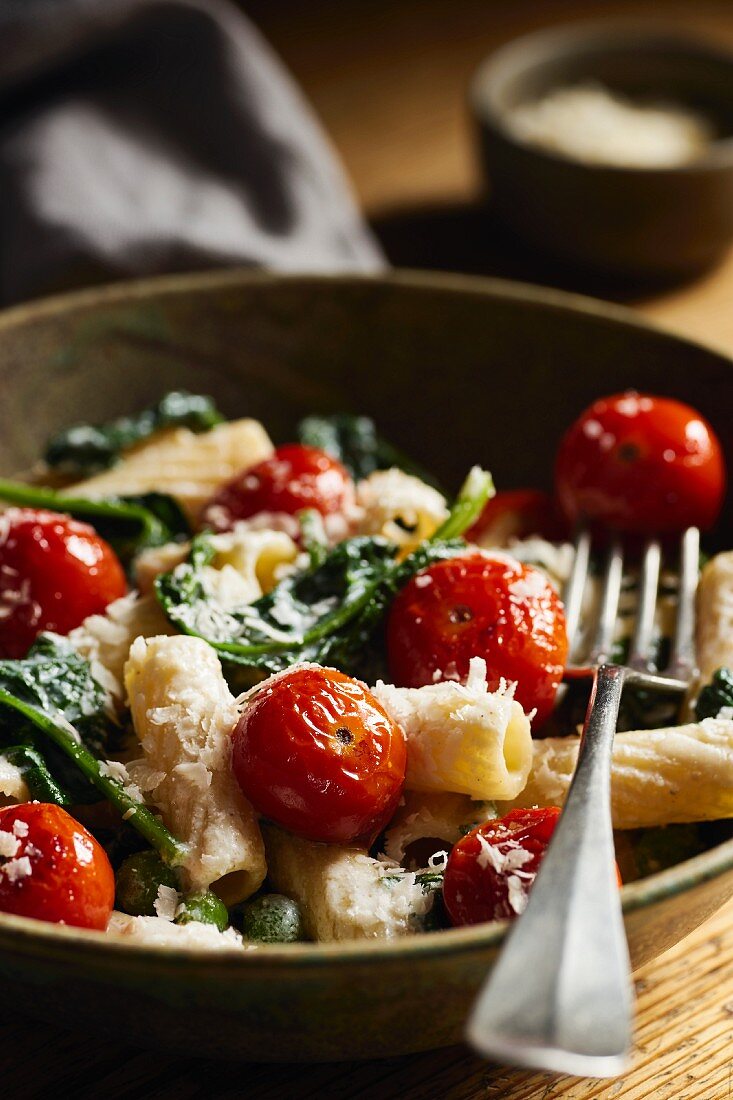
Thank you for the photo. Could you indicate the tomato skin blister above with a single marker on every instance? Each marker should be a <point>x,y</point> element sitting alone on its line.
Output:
<point>295,477</point>
<point>54,572</point>
<point>479,606</point>
<point>316,753</point>
<point>641,465</point>
<point>58,872</point>
<point>490,871</point>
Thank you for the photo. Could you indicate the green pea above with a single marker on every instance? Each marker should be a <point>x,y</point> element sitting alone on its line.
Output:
<point>272,918</point>
<point>204,907</point>
<point>138,880</point>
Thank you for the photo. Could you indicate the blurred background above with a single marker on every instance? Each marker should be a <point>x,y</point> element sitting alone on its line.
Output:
<point>389,81</point>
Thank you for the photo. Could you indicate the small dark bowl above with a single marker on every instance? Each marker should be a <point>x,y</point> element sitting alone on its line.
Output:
<point>640,222</point>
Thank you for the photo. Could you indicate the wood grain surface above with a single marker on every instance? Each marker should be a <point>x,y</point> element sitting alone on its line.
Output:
<point>388,79</point>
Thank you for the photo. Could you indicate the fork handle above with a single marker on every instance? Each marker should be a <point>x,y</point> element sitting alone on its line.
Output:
<point>559,996</point>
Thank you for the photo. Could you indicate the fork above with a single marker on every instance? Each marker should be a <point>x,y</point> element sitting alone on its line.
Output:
<point>559,997</point>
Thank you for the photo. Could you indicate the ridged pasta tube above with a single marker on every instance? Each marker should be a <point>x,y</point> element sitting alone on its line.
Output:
<point>399,506</point>
<point>715,616</point>
<point>184,713</point>
<point>429,816</point>
<point>658,777</point>
<point>182,463</point>
<point>462,738</point>
<point>255,555</point>
<point>105,640</point>
<point>343,893</point>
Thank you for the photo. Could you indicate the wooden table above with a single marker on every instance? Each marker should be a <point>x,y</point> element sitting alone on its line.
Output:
<point>388,78</point>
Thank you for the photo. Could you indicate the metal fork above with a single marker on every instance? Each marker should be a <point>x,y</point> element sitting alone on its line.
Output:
<point>559,997</point>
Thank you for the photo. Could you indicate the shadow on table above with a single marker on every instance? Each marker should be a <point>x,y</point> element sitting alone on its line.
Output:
<point>467,238</point>
<point>38,1060</point>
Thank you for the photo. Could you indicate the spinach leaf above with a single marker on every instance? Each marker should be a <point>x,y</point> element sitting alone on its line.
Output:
<point>86,449</point>
<point>355,442</point>
<point>56,707</point>
<point>715,695</point>
<point>330,613</point>
<point>40,783</point>
<point>54,678</point>
<point>129,524</point>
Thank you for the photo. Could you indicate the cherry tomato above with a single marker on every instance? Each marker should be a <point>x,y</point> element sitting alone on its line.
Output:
<point>517,514</point>
<point>293,478</point>
<point>490,870</point>
<point>315,752</point>
<point>54,571</point>
<point>641,464</point>
<point>52,869</point>
<point>478,606</point>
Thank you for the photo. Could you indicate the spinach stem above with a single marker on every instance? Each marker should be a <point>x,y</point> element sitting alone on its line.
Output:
<point>138,815</point>
<point>477,489</point>
<point>34,496</point>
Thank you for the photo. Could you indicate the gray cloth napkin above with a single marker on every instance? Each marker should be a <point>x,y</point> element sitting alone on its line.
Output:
<point>141,136</point>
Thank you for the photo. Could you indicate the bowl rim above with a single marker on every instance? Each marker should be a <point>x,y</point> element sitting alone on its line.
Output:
<point>576,38</point>
<point>24,932</point>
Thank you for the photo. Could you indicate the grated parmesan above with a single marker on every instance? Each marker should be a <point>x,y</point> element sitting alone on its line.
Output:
<point>461,738</point>
<point>9,844</point>
<point>591,124</point>
<point>16,869</point>
<point>166,903</point>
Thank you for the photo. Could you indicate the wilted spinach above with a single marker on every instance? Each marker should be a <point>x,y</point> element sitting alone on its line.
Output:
<point>85,449</point>
<point>715,695</point>
<point>53,725</point>
<point>129,524</point>
<point>329,613</point>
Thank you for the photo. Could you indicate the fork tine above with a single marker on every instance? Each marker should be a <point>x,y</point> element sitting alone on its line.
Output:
<point>610,593</point>
<point>682,659</point>
<point>575,585</point>
<point>639,657</point>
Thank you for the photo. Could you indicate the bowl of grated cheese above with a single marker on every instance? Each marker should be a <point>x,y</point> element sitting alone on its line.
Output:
<point>611,146</point>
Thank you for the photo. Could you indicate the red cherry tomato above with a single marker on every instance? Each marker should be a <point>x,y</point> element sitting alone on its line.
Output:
<point>477,606</point>
<point>315,752</point>
<point>490,870</point>
<point>293,478</point>
<point>517,514</point>
<point>54,571</point>
<point>52,869</point>
<point>641,464</point>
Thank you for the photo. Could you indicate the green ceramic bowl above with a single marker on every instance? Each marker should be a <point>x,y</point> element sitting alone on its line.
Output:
<point>457,371</point>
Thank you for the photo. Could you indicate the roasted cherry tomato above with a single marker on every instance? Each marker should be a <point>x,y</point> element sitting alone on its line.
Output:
<point>293,478</point>
<point>517,514</point>
<point>479,606</point>
<point>642,465</point>
<point>54,571</point>
<point>52,869</point>
<point>315,752</point>
<point>490,870</point>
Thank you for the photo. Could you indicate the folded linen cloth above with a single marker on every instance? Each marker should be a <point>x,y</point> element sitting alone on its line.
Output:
<point>141,136</point>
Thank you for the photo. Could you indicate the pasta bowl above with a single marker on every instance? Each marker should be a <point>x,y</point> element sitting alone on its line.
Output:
<point>456,370</point>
